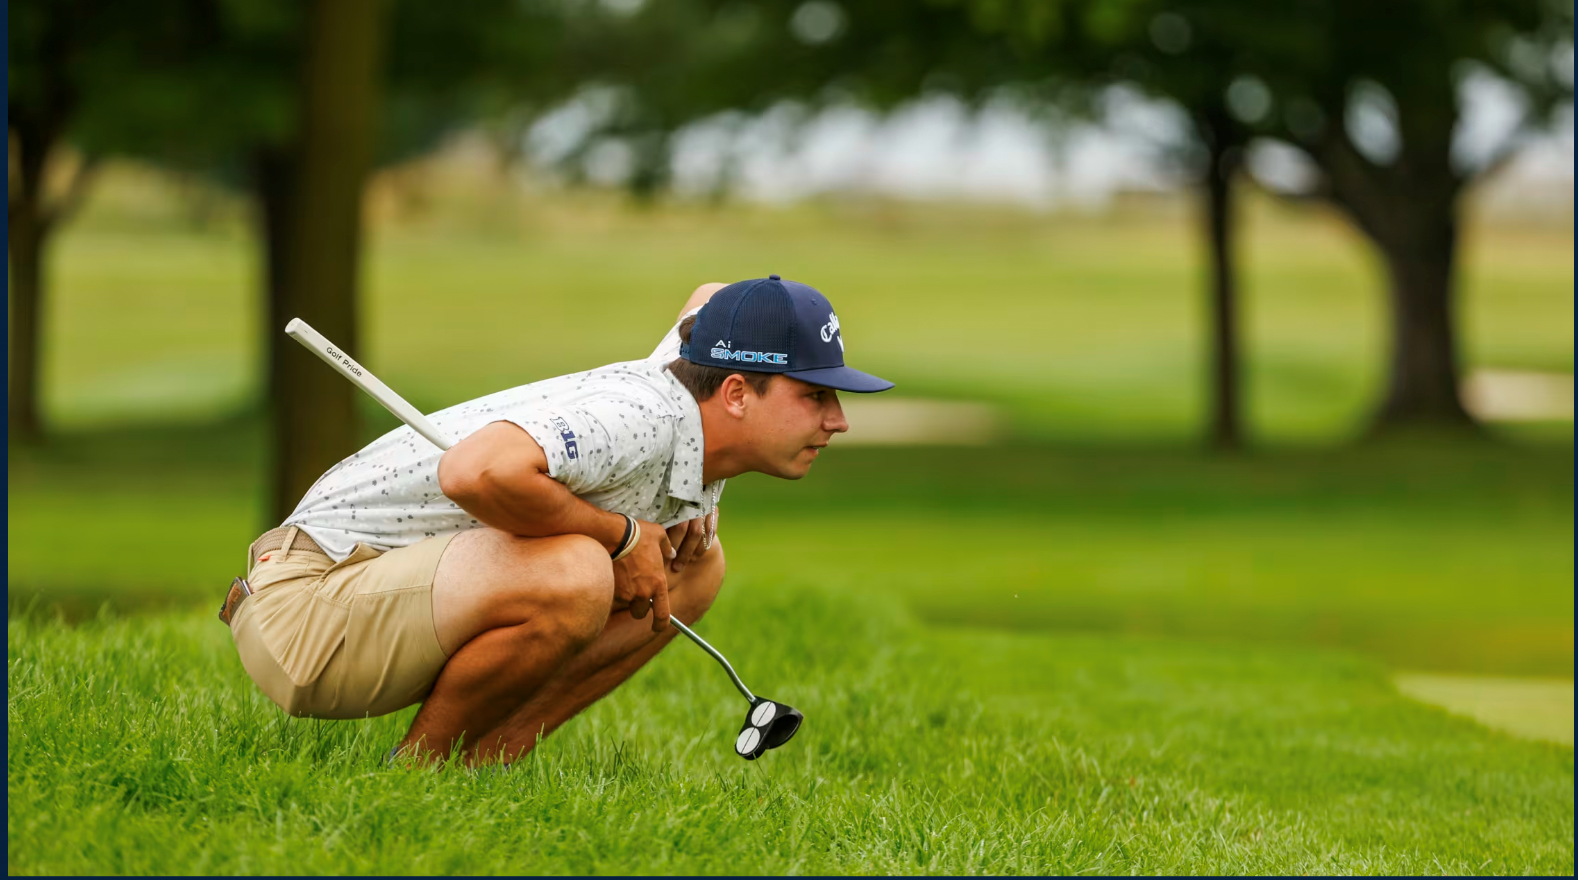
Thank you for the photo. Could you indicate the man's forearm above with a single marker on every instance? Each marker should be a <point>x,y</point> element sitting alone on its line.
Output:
<point>545,507</point>
<point>532,504</point>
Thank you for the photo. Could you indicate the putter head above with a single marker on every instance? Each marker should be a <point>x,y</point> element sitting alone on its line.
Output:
<point>767,726</point>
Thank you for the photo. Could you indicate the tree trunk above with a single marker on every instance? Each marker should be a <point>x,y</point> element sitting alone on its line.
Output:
<point>1422,388</point>
<point>26,238</point>
<point>1226,428</point>
<point>273,186</point>
<point>36,121</point>
<point>1408,208</point>
<point>314,410</point>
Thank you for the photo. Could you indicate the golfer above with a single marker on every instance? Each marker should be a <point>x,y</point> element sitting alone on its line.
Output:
<point>506,584</point>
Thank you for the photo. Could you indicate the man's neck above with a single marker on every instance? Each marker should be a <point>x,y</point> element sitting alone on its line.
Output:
<point>721,457</point>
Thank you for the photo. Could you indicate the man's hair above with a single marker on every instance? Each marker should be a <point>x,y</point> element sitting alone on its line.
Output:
<point>703,382</point>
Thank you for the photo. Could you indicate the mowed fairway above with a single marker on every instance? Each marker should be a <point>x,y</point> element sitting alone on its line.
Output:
<point>1084,649</point>
<point>138,745</point>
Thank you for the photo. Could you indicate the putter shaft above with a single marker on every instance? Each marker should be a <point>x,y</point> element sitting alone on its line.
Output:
<point>702,643</point>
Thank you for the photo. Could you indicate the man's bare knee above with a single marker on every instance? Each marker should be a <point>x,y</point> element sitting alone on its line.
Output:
<point>575,602</point>
<point>492,580</point>
<point>566,601</point>
<point>578,560</point>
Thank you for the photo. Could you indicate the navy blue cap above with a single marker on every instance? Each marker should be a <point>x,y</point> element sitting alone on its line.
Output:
<point>769,325</point>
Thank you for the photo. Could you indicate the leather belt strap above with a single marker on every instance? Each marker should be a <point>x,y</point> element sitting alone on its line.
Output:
<point>271,541</point>
<point>274,539</point>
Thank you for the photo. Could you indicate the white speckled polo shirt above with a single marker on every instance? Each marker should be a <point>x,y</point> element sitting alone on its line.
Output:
<point>625,437</point>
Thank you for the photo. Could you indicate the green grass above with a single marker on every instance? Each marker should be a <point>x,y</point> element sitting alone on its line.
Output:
<point>1090,661</point>
<point>137,745</point>
<point>1449,557</point>
<point>1088,649</point>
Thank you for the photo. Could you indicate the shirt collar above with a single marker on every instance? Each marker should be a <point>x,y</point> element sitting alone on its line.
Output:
<point>685,469</point>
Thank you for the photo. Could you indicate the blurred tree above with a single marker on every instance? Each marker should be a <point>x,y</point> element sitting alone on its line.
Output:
<point>654,68</point>
<point>165,80</point>
<point>1192,63</point>
<point>62,59</point>
<point>496,63</point>
<point>222,90</point>
<point>242,115</point>
<point>212,87</point>
<point>1371,93</point>
<point>444,71</point>
<point>315,415</point>
<point>881,55</point>
<point>1377,105</point>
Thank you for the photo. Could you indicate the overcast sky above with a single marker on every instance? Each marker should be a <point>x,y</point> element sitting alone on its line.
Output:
<point>936,149</point>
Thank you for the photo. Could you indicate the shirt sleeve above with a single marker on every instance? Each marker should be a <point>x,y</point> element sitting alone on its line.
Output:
<point>668,349</point>
<point>597,444</point>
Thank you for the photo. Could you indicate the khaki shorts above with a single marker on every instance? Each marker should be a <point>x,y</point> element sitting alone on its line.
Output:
<point>348,639</point>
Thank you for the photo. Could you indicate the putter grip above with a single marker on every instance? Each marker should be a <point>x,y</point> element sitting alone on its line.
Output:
<point>303,333</point>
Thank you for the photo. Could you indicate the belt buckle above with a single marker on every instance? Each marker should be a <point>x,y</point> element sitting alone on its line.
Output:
<point>239,590</point>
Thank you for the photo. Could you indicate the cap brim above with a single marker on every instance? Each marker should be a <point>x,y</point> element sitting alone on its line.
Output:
<point>842,378</point>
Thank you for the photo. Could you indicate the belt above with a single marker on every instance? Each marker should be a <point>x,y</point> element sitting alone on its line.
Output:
<point>274,539</point>
<point>271,541</point>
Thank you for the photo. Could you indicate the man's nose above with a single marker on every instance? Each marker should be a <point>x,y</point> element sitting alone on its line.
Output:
<point>835,422</point>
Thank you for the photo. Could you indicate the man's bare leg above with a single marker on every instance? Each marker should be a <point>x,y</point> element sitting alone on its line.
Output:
<point>509,612</point>
<point>625,646</point>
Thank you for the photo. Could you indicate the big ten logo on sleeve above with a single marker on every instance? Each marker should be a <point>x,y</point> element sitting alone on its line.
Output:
<point>567,435</point>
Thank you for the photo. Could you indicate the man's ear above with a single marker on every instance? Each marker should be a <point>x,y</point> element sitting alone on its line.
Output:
<point>734,392</point>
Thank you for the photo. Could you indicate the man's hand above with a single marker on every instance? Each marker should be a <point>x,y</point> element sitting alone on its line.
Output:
<point>691,539</point>
<point>640,582</point>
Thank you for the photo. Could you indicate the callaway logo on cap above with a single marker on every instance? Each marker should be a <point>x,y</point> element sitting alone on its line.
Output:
<point>769,325</point>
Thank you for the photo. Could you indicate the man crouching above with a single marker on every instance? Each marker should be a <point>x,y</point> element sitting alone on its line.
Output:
<point>505,584</point>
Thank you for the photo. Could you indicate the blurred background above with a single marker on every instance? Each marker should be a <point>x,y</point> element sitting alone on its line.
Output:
<point>1210,320</point>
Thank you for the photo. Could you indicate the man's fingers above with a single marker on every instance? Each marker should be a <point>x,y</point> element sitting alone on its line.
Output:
<point>640,605</point>
<point>688,548</point>
<point>660,609</point>
<point>676,532</point>
<point>624,590</point>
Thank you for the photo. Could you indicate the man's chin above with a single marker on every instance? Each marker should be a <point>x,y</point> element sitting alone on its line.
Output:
<point>794,471</point>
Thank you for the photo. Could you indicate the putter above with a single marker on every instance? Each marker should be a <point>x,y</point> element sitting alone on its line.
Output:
<point>768,724</point>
